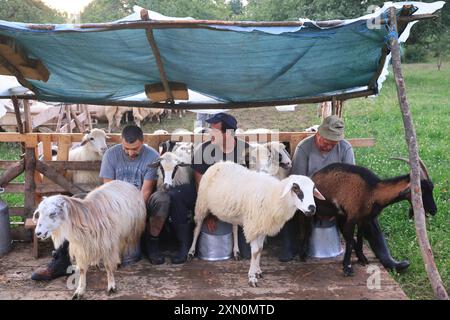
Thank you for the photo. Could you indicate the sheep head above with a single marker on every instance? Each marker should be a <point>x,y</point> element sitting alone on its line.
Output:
<point>52,211</point>
<point>302,191</point>
<point>96,140</point>
<point>168,163</point>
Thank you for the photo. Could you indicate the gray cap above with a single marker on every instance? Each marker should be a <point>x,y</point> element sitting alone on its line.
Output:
<point>332,128</point>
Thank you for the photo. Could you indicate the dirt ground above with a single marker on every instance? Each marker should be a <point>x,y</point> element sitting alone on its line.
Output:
<point>202,280</point>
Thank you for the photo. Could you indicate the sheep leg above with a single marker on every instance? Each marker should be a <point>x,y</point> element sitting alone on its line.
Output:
<point>198,226</point>
<point>359,248</point>
<point>349,231</point>
<point>258,258</point>
<point>252,279</point>
<point>236,253</point>
<point>81,289</point>
<point>111,281</point>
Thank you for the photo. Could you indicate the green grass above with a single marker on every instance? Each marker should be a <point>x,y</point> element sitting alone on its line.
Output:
<point>428,93</point>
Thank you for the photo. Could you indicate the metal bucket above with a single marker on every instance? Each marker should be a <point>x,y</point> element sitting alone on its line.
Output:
<point>325,241</point>
<point>218,245</point>
<point>5,231</point>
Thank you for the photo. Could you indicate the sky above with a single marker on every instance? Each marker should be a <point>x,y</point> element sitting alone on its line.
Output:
<point>70,6</point>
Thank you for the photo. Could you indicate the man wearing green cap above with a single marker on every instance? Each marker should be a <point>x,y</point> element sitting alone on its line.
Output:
<point>312,154</point>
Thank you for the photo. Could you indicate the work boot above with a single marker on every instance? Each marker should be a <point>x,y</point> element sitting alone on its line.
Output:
<point>57,267</point>
<point>372,232</point>
<point>153,253</point>
<point>183,233</point>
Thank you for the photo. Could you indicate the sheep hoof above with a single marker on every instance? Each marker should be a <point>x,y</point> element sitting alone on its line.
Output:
<point>259,275</point>
<point>190,257</point>
<point>111,291</point>
<point>77,296</point>
<point>253,281</point>
<point>237,256</point>
<point>253,284</point>
<point>348,271</point>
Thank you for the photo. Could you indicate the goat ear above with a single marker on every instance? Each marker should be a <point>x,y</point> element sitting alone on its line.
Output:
<point>87,131</point>
<point>406,191</point>
<point>154,164</point>
<point>317,194</point>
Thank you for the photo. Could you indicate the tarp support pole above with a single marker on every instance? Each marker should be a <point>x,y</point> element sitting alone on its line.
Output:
<point>416,192</point>
<point>156,53</point>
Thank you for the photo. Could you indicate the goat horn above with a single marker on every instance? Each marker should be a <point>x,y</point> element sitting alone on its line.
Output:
<point>400,158</point>
<point>423,169</point>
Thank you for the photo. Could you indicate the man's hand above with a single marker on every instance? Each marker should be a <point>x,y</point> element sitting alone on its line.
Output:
<point>211,223</point>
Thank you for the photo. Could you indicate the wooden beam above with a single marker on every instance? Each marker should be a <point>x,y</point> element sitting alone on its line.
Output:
<point>157,55</point>
<point>68,118</point>
<point>12,172</point>
<point>57,178</point>
<point>219,105</point>
<point>5,164</point>
<point>74,165</point>
<point>416,193</point>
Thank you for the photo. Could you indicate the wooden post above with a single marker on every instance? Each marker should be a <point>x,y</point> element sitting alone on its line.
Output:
<point>27,115</point>
<point>77,121</point>
<point>30,185</point>
<point>59,121</point>
<point>416,193</point>
<point>85,109</point>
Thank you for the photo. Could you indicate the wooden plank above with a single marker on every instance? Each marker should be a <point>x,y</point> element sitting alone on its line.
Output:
<point>74,165</point>
<point>59,179</point>
<point>68,118</point>
<point>14,187</point>
<point>5,164</point>
<point>45,116</point>
<point>43,189</point>
<point>64,145</point>
<point>16,211</point>
<point>59,121</point>
<point>12,172</point>
<point>77,121</point>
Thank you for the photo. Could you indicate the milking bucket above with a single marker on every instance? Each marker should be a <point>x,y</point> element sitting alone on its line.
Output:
<point>5,231</point>
<point>217,245</point>
<point>325,241</point>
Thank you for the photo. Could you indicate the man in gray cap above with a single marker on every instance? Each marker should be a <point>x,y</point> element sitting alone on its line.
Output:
<point>312,154</point>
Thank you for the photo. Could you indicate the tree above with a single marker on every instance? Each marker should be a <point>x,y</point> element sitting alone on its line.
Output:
<point>106,10</point>
<point>30,11</point>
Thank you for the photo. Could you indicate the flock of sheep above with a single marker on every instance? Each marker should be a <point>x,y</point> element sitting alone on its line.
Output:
<point>267,198</point>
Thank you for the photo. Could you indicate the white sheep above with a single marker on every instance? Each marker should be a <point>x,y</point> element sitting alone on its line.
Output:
<point>257,201</point>
<point>93,146</point>
<point>99,228</point>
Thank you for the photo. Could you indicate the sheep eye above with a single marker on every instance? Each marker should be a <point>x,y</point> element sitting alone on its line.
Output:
<point>91,138</point>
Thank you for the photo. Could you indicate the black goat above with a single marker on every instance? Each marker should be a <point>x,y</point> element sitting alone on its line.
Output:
<point>356,196</point>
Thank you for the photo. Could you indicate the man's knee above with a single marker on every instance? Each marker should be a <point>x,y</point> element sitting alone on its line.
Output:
<point>158,204</point>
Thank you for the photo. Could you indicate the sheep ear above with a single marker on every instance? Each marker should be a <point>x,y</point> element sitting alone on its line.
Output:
<point>84,141</point>
<point>287,189</point>
<point>87,131</point>
<point>34,216</point>
<point>317,194</point>
<point>107,137</point>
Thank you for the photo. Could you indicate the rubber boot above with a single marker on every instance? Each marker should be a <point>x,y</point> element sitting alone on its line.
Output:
<point>183,233</point>
<point>372,232</point>
<point>57,267</point>
<point>152,248</point>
